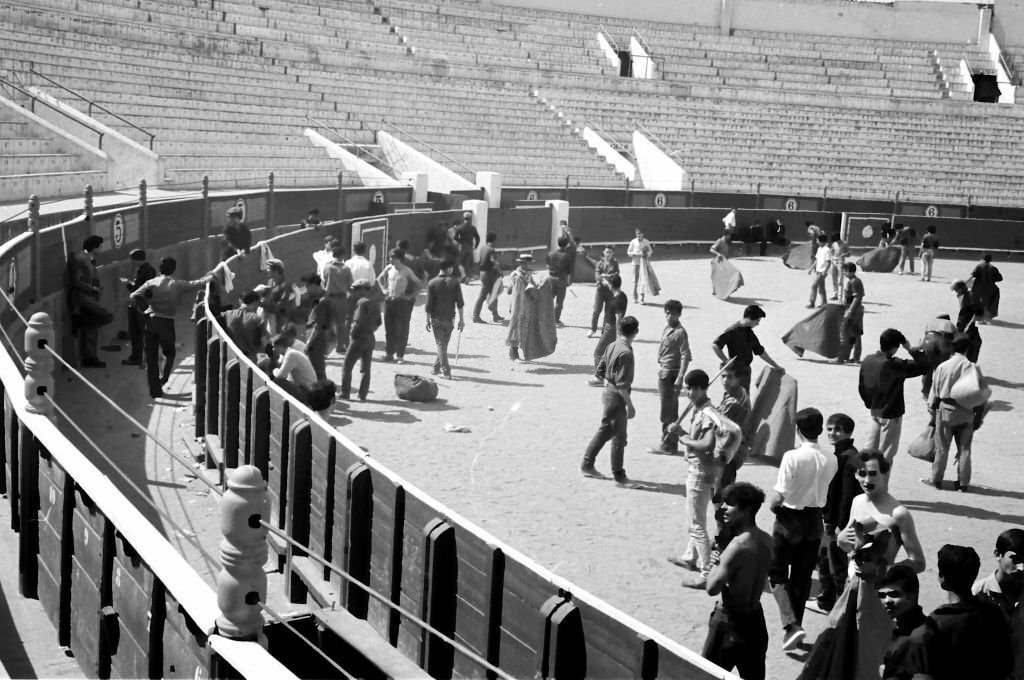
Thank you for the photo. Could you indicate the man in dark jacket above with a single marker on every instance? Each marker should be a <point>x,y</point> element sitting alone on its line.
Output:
<point>87,315</point>
<point>881,389</point>
<point>236,237</point>
<point>832,560</point>
<point>969,638</point>
<point>898,590</point>
<point>468,238</point>
<point>560,273</point>
<point>136,314</point>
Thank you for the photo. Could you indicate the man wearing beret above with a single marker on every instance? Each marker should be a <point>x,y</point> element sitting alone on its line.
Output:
<point>144,271</point>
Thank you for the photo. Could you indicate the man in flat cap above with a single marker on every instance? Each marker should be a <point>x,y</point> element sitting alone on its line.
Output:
<point>236,236</point>
<point>144,271</point>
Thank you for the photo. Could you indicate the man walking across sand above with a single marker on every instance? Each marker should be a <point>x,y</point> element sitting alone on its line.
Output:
<point>615,370</point>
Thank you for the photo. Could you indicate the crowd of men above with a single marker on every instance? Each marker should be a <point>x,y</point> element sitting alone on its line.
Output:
<point>832,506</point>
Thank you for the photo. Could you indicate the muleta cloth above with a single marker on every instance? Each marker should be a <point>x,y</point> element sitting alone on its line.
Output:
<point>880,259</point>
<point>532,320</point>
<point>649,280</point>
<point>798,255</point>
<point>726,279</point>
<point>415,388</point>
<point>234,211</point>
<point>818,332</point>
<point>770,427</point>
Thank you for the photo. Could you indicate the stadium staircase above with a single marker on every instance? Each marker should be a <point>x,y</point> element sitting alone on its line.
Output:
<point>34,160</point>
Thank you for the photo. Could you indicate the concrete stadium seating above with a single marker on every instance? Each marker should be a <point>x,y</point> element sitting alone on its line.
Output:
<point>791,112</point>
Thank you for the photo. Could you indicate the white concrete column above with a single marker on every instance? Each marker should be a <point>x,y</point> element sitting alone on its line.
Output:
<point>479,210</point>
<point>559,212</point>
<point>419,181</point>
<point>490,182</point>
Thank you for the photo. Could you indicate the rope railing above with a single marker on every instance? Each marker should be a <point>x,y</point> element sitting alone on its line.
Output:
<point>455,644</point>
<point>211,561</point>
<point>113,404</point>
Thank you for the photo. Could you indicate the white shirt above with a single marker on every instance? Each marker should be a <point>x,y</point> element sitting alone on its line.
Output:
<point>295,366</point>
<point>322,257</point>
<point>822,258</point>
<point>804,476</point>
<point>362,270</point>
<point>639,249</point>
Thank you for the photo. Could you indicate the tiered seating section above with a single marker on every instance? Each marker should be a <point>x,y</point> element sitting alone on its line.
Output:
<point>732,145</point>
<point>227,86</point>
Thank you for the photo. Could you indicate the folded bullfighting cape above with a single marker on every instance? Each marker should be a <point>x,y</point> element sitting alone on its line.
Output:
<point>537,335</point>
<point>880,259</point>
<point>818,332</point>
<point>798,256</point>
<point>649,280</point>
<point>726,279</point>
<point>770,427</point>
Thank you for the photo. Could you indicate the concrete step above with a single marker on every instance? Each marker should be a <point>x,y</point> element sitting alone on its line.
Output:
<point>35,163</point>
<point>50,184</point>
<point>20,145</point>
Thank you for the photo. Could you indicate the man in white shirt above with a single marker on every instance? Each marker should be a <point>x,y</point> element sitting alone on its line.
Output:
<point>639,250</point>
<point>797,499</point>
<point>952,421</point>
<point>295,371</point>
<point>364,279</point>
<point>819,270</point>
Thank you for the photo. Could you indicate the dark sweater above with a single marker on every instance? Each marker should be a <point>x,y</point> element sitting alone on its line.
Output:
<point>843,487</point>
<point>881,381</point>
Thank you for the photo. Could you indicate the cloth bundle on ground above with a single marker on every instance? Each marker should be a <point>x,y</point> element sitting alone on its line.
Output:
<point>726,279</point>
<point>798,255</point>
<point>532,321</point>
<point>415,388</point>
<point>818,332</point>
<point>879,259</point>
<point>770,428</point>
<point>649,280</point>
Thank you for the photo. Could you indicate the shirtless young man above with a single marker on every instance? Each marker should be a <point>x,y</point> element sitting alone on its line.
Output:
<point>876,510</point>
<point>737,634</point>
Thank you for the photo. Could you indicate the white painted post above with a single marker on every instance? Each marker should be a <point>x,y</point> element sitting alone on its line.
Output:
<point>490,182</point>
<point>241,583</point>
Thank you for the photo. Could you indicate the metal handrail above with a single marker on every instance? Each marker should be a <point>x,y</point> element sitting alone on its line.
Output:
<point>654,138</point>
<point>385,123</point>
<point>612,141</point>
<point>32,107</point>
<point>608,36</point>
<point>92,104</point>
<point>345,138</point>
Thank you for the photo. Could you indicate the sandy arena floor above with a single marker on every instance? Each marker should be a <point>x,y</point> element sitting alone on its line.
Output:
<point>516,473</point>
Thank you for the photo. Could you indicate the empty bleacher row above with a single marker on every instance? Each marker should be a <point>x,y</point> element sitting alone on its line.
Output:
<point>856,153</point>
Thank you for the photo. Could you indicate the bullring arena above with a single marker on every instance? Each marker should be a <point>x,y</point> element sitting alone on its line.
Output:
<point>224,529</point>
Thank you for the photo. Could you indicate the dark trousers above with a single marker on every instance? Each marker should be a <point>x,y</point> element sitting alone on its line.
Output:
<point>466,259</point>
<point>669,398</point>
<point>354,296</point>
<point>737,641</point>
<point>607,338</point>
<point>360,349</point>
<point>442,336</point>
<point>136,329</point>
<point>339,317</point>
<point>600,297</point>
<point>832,569</point>
<point>613,427</point>
<point>88,342</point>
<point>317,353</point>
<point>397,313</point>
<point>558,288</point>
<point>159,339</point>
<point>796,538</point>
<point>743,373</point>
<point>487,279</point>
